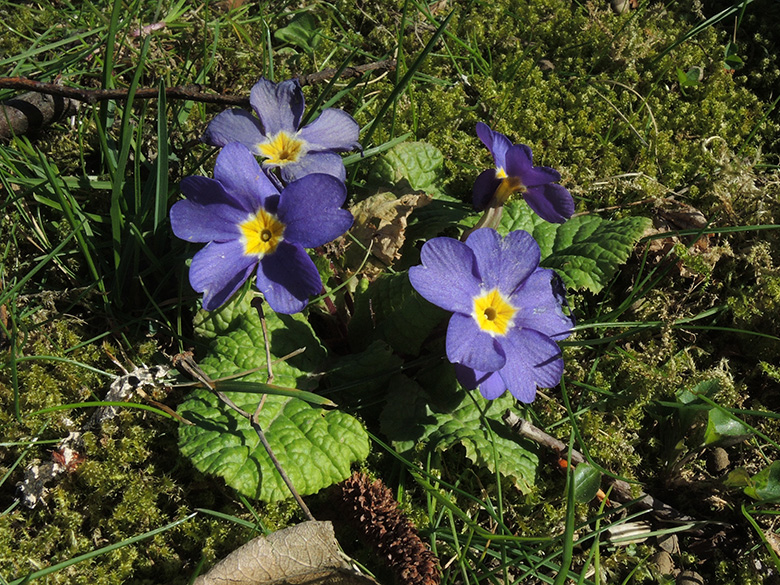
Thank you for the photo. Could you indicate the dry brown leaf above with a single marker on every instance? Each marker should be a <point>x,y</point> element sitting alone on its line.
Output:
<point>304,554</point>
<point>380,222</point>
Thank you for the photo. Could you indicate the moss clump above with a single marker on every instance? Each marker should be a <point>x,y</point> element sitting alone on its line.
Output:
<point>132,480</point>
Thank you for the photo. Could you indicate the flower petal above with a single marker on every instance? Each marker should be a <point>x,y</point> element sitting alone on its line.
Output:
<point>496,143</point>
<point>518,160</point>
<point>484,188</point>
<point>205,191</point>
<point>241,176</point>
<point>326,162</point>
<point>333,130</point>
<point>234,126</point>
<point>219,270</point>
<point>311,210</point>
<point>540,300</point>
<point>448,276</point>
<point>203,223</point>
<point>532,359</point>
<point>287,278</point>
<point>467,344</point>
<point>279,106</point>
<point>491,385</point>
<point>551,202</point>
<point>504,263</point>
<point>519,164</point>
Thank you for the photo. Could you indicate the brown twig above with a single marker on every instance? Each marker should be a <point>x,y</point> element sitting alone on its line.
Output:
<point>91,96</point>
<point>257,303</point>
<point>621,490</point>
<point>186,362</point>
<point>183,92</point>
<point>348,73</point>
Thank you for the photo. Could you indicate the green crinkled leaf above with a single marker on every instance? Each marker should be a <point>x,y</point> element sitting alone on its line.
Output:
<point>586,250</point>
<point>518,216</point>
<point>434,219</point>
<point>234,337</point>
<point>302,32</point>
<point>737,478</point>
<point>410,417</point>
<point>420,163</point>
<point>363,376</point>
<point>390,310</point>
<point>765,485</point>
<point>314,446</point>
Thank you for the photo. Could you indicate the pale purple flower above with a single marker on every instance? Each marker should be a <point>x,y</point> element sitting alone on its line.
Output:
<point>515,172</point>
<point>507,312</point>
<point>250,225</point>
<point>275,134</point>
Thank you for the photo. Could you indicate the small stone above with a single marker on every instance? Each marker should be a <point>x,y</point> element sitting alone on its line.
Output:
<point>620,6</point>
<point>689,578</point>
<point>669,543</point>
<point>663,560</point>
<point>545,64</point>
<point>717,461</point>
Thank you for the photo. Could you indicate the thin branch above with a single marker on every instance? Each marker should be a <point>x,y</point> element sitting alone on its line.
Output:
<point>186,362</point>
<point>91,96</point>
<point>348,73</point>
<point>257,303</point>
<point>194,93</point>
<point>621,490</point>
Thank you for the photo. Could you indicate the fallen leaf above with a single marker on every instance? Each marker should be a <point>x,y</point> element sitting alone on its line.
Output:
<point>381,220</point>
<point>306,553</point>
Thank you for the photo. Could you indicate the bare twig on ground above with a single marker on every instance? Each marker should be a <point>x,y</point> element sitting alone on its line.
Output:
<point>194,93</point>
<point>186,362</point>
<point>621,490</point>
<point>46,103</point>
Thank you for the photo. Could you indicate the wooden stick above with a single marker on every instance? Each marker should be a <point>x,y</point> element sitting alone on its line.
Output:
<point>194,93</point>
<point>186,362</point>
<point>621,490</point>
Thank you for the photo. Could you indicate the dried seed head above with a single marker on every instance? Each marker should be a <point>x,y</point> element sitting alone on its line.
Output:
<point>373,511</point>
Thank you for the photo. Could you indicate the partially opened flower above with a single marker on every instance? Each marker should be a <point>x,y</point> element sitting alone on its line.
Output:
<point>276,134</point>
<point>507,312</point>
<point>515,172</point>
<point>249,224</point>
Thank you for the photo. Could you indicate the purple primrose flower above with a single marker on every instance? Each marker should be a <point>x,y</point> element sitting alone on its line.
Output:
<point>276,135</point>
<point>248,223</point>
<point>507,312</point>
<point>515,172</point>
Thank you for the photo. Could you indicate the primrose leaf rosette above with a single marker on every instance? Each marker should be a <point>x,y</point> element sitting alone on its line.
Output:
<point>586,251</point>
<point>412,417</point>
<point>315,446</point>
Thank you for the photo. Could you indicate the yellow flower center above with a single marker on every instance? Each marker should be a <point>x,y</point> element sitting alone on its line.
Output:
<point>262,233</point>
<point>508,186</point>
<point>493,313</point>
<point>282,149</point>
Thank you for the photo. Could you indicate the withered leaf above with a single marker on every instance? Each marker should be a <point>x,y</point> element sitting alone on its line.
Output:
<point>304,554</point>
<point>381,219</point>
